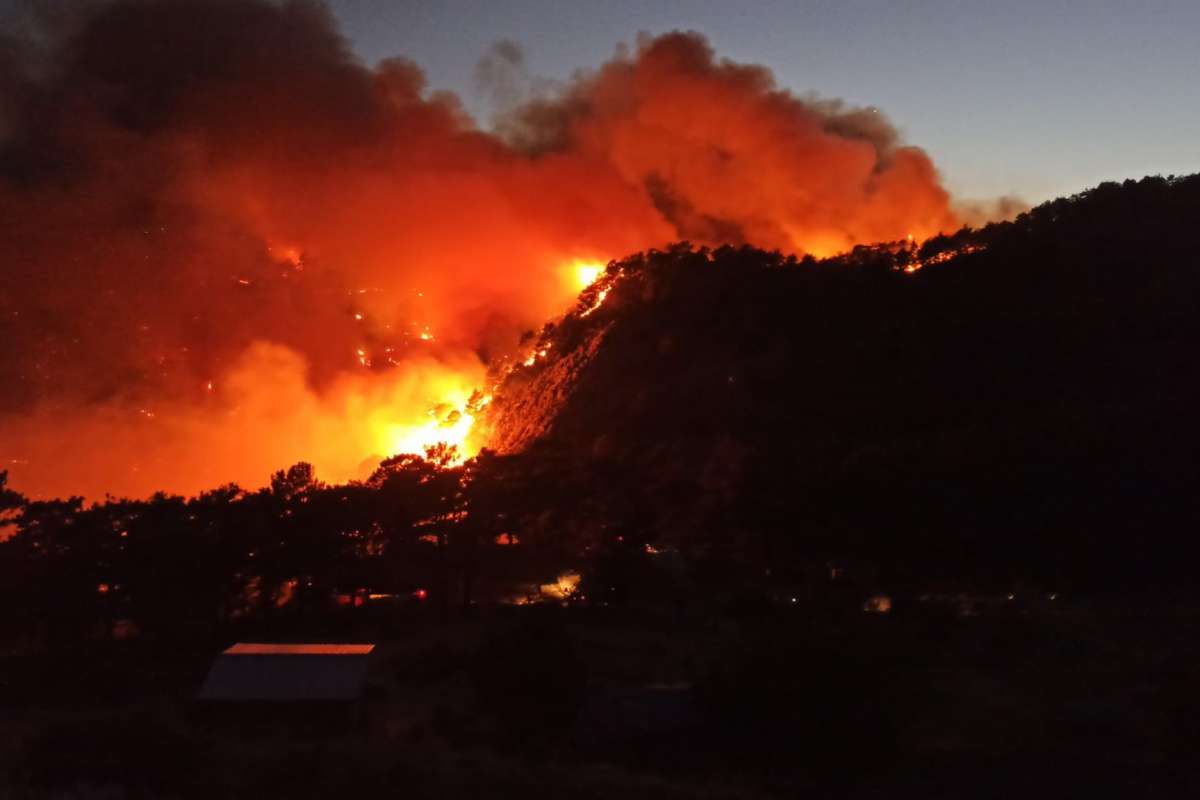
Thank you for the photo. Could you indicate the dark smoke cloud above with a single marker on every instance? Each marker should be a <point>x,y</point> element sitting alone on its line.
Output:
<point>227,245</point>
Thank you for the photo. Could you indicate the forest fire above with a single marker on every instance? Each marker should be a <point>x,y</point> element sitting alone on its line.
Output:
<point>586,273</point>
<point>449,423</point>
<point>942,257</point>
<point>643,428</point>
<point>184,239</point>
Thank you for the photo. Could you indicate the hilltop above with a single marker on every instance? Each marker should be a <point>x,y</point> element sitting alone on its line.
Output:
<point>1015,403</point>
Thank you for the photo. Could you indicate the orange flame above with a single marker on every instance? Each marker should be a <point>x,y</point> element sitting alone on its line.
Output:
<point>321,292</point>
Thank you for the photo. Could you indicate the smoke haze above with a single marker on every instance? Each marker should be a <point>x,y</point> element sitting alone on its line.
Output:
<point>226,245</point>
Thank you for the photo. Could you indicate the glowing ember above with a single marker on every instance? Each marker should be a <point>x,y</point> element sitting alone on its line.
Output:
<point>536,355</point>
<point>943,257</point>
<point>563,588</point>
<point>600,297</point>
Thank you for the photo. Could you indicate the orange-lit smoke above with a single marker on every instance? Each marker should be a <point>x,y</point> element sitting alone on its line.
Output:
<point>231,246</point>
<point>263,413</point>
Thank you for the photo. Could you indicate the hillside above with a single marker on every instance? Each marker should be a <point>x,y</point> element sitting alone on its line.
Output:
<point>703,479</point>
<point>1012,403</point>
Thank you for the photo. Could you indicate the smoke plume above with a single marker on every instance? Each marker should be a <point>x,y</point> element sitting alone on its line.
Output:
<point>227,245</point>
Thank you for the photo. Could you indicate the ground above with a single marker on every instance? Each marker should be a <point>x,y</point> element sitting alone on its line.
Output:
<point>777,704</point>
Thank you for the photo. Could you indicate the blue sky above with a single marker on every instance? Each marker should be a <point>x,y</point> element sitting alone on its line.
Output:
<point>1033,98</point>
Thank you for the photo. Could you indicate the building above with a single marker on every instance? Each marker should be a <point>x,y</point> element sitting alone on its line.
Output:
<point>302,688</point>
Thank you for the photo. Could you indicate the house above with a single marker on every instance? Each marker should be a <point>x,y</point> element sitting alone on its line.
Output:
<point>313,688</point>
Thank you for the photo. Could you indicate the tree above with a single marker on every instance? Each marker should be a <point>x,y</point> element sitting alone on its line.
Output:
<point>296,480</point>
<point>10,505</point>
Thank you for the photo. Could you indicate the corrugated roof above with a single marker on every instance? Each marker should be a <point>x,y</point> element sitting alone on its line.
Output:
<point>258,649</point>
<point>287,673</point>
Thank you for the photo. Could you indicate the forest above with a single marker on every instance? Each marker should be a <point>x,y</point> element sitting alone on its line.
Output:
<point>1018,411</point>
<point>734,434</point>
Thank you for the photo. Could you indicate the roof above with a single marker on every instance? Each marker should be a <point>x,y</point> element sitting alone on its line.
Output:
<point>250,672</point>
<point>256,649</point>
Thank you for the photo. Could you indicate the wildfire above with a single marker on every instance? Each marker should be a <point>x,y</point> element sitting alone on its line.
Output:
<point>941,258</point>
<point>535,355</point>
<point>435,239</point>
<point>586,273</point>
<point>452,417</point>
<point>449,423</point>
<point>599,301</point>
<point>563,588</point>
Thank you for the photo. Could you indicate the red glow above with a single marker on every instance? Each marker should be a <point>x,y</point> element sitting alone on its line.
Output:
<point>322,291</point>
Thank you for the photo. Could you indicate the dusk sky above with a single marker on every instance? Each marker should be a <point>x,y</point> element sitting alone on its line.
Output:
<point>185,159</point>
<point>1037,98</point>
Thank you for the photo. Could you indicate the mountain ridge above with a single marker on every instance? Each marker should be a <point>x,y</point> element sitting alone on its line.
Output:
<point>1029,376</point>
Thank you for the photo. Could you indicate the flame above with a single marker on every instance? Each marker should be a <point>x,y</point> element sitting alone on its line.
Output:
<point>563,588</point>
<point>536,355</point>
<point>453,428</point>
<point>944,256</point>
<point>586,272</point>
<point>449,421</point>
<point>322,292</point>
<point>599,301</point>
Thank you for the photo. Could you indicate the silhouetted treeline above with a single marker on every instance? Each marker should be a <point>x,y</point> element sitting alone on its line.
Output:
<point>727,425</point>
<point>299,548</point>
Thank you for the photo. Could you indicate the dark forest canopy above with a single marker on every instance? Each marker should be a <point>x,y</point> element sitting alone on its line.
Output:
<point>1019,410</point>
<point>1021,406</point>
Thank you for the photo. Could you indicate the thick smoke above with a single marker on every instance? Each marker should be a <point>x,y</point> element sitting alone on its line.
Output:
<point>727,156</point>
<point>227,245</point>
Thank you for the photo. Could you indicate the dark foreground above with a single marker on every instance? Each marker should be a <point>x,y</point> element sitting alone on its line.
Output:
<point>1081,699</point>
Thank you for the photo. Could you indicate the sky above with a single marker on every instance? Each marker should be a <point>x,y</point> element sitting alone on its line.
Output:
<point>226,250</point>
<point>1037,99</point>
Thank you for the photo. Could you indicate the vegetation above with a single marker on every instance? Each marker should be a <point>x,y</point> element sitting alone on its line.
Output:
<point>737,451</point>
<point>1020,410</point>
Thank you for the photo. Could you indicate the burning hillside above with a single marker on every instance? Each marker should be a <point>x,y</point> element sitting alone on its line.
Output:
<point>978,397</point>
<point>229,245</point>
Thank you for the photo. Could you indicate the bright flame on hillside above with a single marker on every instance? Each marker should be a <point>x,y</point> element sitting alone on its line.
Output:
<point>587,272</point>
<point>451,419</point>
<point>452,429</point>
<point>289,291</point>
<point>449,422</point>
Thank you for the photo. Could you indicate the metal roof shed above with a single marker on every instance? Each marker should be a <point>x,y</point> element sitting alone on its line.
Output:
<point>298,685</point>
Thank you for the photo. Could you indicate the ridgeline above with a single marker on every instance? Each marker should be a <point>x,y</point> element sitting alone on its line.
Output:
<point>1015,403</point>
